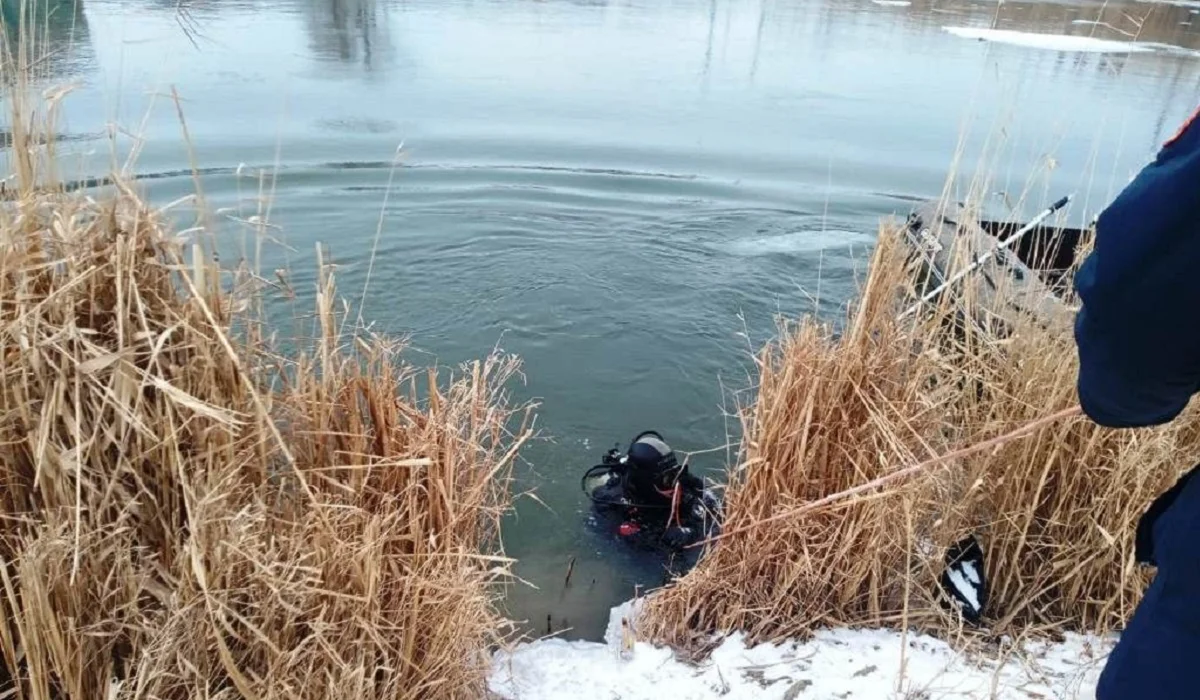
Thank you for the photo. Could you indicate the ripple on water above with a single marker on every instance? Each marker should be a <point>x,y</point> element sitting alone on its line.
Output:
<point>799,242</point>
<point>357,125</point>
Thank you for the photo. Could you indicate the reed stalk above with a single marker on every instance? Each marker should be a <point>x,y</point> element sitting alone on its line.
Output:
<point>186,511</point>
<point>834,409</point>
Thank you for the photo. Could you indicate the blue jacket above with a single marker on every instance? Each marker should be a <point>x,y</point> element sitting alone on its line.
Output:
<point>1138,337</point>
<point>1138,333</point>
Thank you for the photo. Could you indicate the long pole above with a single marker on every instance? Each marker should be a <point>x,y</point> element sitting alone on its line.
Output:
<point>956,454</point>
<point>979,261</point>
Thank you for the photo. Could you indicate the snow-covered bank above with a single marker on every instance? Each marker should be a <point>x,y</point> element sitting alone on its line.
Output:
<point>1053,42</point>
<point>834,664</point>
<point>1067,43</point>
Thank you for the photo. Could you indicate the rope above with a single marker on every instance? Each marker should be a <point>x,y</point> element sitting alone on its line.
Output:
<point>897,476</point>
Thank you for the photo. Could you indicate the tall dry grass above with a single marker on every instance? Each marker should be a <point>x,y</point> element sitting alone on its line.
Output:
<point>185,512</point>
<point>1054,510</point>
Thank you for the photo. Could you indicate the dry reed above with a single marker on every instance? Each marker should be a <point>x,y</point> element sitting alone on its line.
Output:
<point>1054,510</point>
<point>186,513</point>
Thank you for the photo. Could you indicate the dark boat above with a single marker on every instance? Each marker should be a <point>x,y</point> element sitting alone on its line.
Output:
<point>1031,275</point>
<point>1048,250</point>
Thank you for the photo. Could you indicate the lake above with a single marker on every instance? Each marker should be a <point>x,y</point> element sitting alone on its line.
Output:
<point>626,193</point>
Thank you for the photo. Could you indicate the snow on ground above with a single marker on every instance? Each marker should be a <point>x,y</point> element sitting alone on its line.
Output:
<point>839,663</point>
<point>1055,42</point>
<point>893,3</point>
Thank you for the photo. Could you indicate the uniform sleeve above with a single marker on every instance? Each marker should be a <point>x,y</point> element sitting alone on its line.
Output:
<point>1138,331</point>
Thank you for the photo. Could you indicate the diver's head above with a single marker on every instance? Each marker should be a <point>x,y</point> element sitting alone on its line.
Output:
<point>652,464</point>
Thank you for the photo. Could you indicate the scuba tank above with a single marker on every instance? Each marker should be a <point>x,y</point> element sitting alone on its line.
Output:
<point>652,492</point>
<point>633,478</point>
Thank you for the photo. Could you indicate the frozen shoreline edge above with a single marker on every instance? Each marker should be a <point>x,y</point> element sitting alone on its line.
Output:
<point>867,663</point>
<point>1066,43</point>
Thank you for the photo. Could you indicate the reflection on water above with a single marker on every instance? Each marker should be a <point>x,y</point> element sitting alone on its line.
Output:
<point>59,33</point>
<point>349,31</point>
<point>625,193</point>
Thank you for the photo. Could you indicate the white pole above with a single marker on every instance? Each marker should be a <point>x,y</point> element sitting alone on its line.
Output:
<point>983,258</point>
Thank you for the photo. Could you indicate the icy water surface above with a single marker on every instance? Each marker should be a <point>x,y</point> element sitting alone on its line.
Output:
<point>623,192</point>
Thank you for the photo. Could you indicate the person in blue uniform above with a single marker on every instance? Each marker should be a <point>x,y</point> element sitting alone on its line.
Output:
<point>1138,339</point>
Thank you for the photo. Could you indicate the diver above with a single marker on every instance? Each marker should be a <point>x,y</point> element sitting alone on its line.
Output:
<point>649,499</point>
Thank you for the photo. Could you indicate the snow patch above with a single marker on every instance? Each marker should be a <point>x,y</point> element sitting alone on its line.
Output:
<point>861,663</point>
<point>892,3</point>
<point>1054,42</point>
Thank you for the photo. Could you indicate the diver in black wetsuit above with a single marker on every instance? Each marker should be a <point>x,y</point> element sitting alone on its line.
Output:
<point>649,499</point>
<point>646,499</point>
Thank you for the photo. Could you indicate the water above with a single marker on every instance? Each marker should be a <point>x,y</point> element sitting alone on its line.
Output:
<point>625,193</point>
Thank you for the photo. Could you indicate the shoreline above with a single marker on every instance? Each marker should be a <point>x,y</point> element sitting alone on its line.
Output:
<point>398,588</point>
<point>835,663</point>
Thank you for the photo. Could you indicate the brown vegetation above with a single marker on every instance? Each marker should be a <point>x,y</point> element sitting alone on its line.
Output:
<point>1054,510</point>
<point>186,513</point>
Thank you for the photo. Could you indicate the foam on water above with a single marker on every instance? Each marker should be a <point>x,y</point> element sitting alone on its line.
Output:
<point>1053,42</point>
<point>798,242</point>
